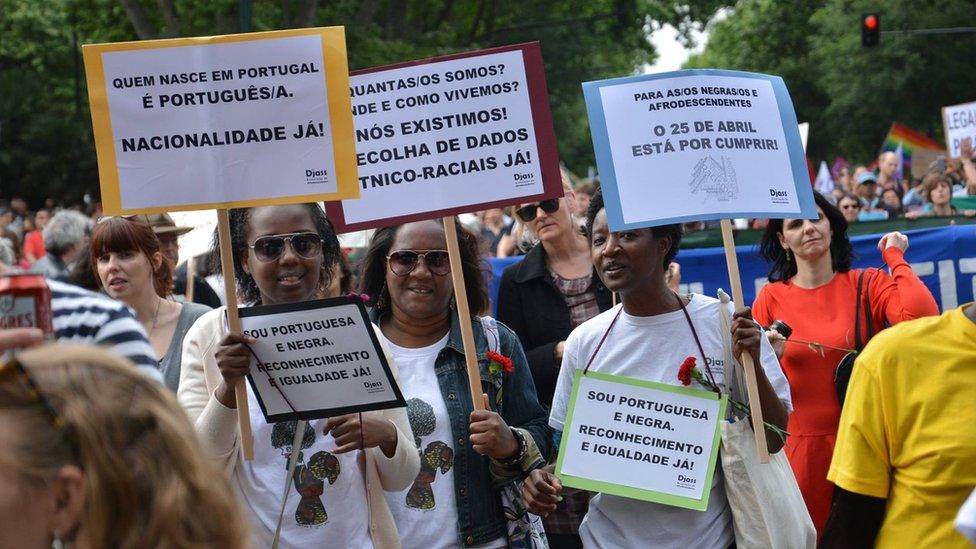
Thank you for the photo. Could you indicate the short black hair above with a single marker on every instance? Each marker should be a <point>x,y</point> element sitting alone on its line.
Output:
<point>373,281</point>
<point>240,218</point>
<point>672,231</point>
<point>841,250</point>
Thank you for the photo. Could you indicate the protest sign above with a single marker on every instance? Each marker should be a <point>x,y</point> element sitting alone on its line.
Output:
<point>450,135</point>
<point>959,122</point>
<point>641,439</point>
<point>317,359</point>
<point>222,121</point>
<point>696,145</point>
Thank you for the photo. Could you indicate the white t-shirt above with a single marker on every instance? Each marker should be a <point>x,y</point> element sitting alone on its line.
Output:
<point>326,504</point>
<point>426,513</point>
<point>653,348</point>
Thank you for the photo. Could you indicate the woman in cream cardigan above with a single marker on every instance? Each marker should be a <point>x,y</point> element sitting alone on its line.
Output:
<point>285,254</point>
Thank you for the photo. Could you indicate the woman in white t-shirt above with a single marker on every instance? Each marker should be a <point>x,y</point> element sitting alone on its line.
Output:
<point>649,336</point>
<point>465,454</point>
<point>285,254</point>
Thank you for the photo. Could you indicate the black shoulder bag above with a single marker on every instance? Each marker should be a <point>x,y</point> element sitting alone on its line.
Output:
<point>842,375</point>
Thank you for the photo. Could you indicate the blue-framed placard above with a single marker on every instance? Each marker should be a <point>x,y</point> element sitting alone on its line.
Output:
<point>697,145</point>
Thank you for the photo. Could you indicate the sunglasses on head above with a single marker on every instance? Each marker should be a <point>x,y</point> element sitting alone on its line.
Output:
<point>528,213</point>
<point>271,247</point>
<point>403,262</point>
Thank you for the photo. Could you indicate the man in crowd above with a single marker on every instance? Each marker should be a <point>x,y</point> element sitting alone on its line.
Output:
<point>888,172</point>
<point>903,463</point>
<point>65,240</point>
<point>168,234</point>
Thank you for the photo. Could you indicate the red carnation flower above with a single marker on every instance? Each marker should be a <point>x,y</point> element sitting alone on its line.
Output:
<point>503,361</point>
<point>684,373</point>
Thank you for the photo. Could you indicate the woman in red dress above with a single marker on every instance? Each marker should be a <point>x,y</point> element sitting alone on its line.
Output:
<point>813,290</point>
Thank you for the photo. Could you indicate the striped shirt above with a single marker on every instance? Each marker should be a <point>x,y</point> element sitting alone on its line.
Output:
<point>81,316</point>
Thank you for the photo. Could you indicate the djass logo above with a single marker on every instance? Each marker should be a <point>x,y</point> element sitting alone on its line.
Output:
<point>309,478</point>
<point>715,179</point>
<point>437,455</point>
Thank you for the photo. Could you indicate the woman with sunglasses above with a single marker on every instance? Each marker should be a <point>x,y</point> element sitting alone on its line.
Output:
<point>129,266</point>
<point>465,454</point>
<point>286,254</point>
<point>542,298</point>
<point>97,455</point>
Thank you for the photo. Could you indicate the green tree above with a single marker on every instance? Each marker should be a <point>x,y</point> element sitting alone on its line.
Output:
<point>850,94</point>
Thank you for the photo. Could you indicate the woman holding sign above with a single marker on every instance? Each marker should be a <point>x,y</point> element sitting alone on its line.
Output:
<point>814,291</point>
<point>466,454</point>
<point>651,336</point>
<point>286,254</point>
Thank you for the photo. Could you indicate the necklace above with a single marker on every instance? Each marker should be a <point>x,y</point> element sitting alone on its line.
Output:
<point>155,316</point>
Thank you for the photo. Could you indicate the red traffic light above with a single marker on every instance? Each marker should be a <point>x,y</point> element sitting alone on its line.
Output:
<point>871,22</point>
<point>870,29</point>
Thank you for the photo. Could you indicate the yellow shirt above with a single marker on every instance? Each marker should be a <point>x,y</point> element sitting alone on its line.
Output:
<point>908,429</point>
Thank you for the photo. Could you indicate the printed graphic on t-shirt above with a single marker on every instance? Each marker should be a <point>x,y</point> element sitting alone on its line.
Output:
<point>437,455</point>
<point>309,478</point>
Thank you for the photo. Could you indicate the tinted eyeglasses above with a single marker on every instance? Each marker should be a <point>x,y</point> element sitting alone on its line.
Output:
<point>528,213</point>
<point>403,262</point>
<point>271,247</point>
<point>14,370</point>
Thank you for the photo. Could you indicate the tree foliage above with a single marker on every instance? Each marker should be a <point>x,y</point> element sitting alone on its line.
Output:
<point>850,94</point>
<point>45,130</point>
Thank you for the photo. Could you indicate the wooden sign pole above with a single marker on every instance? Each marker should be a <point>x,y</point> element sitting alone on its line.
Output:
<point>234,321</point>
<point>752,385</point>
<point>464,313</point>
<point>191,269</point>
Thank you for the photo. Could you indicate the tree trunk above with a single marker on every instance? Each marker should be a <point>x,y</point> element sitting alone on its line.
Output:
<point>169,15</point>
<point>137,16</point>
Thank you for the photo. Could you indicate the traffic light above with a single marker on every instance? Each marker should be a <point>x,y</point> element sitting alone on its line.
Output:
<point>870,29</point>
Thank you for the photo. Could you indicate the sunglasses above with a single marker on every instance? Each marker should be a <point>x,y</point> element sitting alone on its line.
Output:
<point>15,369</point>
<point>403,262</point>
<point>528,213</point>
<point>270,248</point>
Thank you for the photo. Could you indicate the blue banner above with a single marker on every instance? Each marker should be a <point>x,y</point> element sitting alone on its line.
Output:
<point>943,257</point>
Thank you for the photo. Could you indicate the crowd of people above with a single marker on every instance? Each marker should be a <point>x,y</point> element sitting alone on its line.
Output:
<point>109,455</point>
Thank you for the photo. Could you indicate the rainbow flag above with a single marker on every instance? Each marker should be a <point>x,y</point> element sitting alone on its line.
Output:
<point>901,136</point>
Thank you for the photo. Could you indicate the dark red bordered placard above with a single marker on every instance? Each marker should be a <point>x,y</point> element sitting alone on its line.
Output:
<point>542,124</point>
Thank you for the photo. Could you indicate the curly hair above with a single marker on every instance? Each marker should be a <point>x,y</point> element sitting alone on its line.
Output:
<point>240,219</point>
<point>146,476</point>
<point>841,250</point>
<point>672,232</point>
<point>373,281</point>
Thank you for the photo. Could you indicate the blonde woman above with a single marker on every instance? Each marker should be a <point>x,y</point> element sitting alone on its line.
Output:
<point>94,454</point>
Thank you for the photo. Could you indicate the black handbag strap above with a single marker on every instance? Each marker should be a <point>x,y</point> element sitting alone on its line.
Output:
<point>867,311</point>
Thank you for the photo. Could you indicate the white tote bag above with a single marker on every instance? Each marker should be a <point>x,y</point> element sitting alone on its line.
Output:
<point>767,508</point>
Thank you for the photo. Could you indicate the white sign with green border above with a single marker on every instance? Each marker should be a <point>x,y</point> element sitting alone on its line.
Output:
<point>641,439</point>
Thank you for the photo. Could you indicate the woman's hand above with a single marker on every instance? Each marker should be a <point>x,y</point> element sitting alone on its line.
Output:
<point>490,435</point>
<point>541,490</point>
<point>746,334</point>
<point>233,361</point>
<point>778,342</point>
<point>893,240</point>
<point>358,432</point>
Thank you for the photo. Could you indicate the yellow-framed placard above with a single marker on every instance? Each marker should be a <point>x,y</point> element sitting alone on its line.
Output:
<point>222,121</point>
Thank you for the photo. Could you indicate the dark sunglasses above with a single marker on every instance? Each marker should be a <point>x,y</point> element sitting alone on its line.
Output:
<point>271,247</point>
<point>403,262</point>
<point>528,213</point>
<point>15,370</point>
